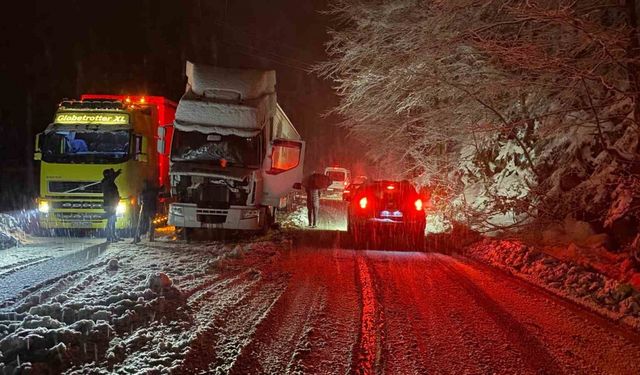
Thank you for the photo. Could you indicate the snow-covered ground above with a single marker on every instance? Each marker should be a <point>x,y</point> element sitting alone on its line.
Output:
<point>332,216</point>
<point>280,305</point>
<point>40,259</point>
<point>128,309</point>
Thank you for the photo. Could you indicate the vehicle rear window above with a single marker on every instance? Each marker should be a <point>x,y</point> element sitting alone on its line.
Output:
<point>380,189</point>
<point>335,175</point>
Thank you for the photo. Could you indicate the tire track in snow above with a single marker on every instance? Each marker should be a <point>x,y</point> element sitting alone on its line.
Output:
<point>535,354</point>
<point>434,304</point>
<point>404,349</point>
<point>367,356</point>
<point>49,288</point>
<point>21,283</point>
<point>558,322</point>
<point>303,345</point>
<point>330,344</point>
<point>14,267</point>
<point>233,318</point>
<point>273,347</point>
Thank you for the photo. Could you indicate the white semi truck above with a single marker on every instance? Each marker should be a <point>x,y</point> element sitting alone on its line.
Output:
<point>235,156</point>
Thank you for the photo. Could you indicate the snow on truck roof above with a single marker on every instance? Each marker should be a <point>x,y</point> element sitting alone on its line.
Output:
<point>225,83</point>
<point>227,101</point>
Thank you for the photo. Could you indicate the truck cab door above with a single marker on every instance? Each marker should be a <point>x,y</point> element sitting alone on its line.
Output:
<point>282,170</point>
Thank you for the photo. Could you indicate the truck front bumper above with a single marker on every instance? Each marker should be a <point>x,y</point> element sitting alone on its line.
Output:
<point>189,215</point>
<point>78,214</point>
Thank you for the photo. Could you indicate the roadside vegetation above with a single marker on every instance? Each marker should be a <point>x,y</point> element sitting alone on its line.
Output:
<point>521,117</point>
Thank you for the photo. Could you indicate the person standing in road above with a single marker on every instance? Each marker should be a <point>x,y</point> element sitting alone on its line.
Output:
<point>313,199</point>
<point>149,205</point>
<point>111,198</point>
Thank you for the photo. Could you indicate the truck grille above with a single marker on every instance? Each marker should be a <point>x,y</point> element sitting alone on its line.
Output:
<point>213,196</point>
<point>211,219</point>
<point>87,205</point>
<point>77,186</point>
<point>77,216</point>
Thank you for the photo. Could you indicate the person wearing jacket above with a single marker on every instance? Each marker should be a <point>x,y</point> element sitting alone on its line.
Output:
<point>148,199</point>
<point>111,198</point>
<point>312,186</point>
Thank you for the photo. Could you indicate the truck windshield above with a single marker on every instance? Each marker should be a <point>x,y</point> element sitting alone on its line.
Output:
<point>198,147</point>
<point>85,147</point>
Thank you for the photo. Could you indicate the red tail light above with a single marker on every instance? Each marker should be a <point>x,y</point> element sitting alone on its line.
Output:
<point>363,202</point>
<point>418,204</point>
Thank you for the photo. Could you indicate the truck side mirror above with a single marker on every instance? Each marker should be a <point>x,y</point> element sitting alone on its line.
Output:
<point>285,155</point>
<point>37,153</point>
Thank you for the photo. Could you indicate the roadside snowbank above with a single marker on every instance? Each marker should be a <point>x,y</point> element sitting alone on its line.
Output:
<point>584,286</point>
<point>11,234</point>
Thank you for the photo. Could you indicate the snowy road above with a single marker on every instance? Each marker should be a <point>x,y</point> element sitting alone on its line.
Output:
<point>275,306</point>
<point>413,313</point>
<point>42,260</point>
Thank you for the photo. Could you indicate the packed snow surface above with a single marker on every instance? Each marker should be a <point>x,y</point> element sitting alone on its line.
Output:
<point>299,303</point>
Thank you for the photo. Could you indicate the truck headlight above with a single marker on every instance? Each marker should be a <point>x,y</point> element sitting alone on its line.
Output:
<point>122,208</point>
<point>249,214</point>
<point>43,207</point>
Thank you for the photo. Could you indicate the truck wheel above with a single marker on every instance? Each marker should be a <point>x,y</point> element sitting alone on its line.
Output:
<point>184,233</point>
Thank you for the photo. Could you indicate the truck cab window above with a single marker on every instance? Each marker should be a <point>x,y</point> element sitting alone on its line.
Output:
<point>85,146</point>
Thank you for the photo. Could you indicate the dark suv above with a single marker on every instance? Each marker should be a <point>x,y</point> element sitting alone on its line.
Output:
<point>387,210</point>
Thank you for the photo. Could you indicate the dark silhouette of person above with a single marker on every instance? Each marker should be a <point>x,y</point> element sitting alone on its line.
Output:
<point>111,198</point>
<point>312,188</point>
<point>149,205</point>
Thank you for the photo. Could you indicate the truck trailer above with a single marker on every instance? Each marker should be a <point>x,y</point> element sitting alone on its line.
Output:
<point>235,155</point>
<point>88,136</point>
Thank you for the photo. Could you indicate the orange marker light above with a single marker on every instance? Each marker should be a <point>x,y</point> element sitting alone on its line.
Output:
<point>418,204</point>
<point>390,187</point>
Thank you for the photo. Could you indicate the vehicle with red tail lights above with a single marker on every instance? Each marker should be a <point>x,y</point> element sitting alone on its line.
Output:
<point>351,188</point>
<point>387,210</point>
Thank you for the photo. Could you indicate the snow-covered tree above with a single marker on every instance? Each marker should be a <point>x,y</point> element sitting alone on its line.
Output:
<point>522,109</point>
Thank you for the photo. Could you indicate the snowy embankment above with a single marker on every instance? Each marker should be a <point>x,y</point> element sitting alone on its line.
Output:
<point>11,234</point>
<point>133,309</point>
<point>597,292</point>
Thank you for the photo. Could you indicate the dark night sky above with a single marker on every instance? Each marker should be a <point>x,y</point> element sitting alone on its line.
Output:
<point>59,49</point>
